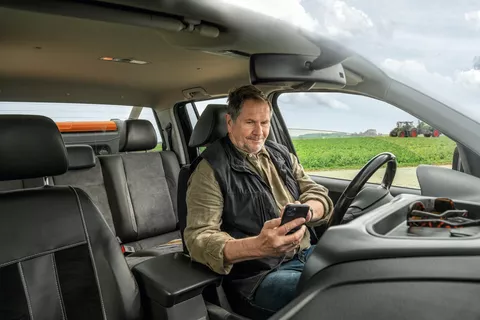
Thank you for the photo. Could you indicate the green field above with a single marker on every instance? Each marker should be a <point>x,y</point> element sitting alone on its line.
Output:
<point>353,153</point>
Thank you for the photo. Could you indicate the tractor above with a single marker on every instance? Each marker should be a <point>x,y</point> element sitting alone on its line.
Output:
<point>404,129</point>
<point>427,130</point>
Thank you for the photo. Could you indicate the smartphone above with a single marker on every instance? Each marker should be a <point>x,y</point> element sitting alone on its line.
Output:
<point>294,211</point>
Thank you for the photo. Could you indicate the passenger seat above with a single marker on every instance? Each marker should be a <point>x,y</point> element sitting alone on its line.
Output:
<point>142,191</point>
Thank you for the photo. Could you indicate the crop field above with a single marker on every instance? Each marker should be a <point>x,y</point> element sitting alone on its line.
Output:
<point>354,152</point>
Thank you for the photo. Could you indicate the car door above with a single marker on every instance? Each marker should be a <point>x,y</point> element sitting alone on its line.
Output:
<point>335,134</point>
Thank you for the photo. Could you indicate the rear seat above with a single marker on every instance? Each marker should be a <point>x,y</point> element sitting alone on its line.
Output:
<point>136,192</point>
<point>84,171</point>
<point>142,191</point>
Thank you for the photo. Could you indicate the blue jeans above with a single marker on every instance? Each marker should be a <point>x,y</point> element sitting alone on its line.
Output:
<point>278,287</point>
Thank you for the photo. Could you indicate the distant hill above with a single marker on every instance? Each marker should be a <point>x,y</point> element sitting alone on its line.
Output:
<point>321,135</point>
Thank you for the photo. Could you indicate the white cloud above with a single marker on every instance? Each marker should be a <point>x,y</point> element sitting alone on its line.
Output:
<point>313,100</point>
<point>413,69</point>
<point>290,11</point>
<point>331,17</point>
<point>469,79</point>
<point>340,19</point>
<point>334,103</point>
<point>460,90</point>
<point>473,17</point>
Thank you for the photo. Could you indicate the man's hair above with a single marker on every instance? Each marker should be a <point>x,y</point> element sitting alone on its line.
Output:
<point>237,97</point>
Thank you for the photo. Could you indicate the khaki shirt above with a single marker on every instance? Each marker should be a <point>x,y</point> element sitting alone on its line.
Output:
<point>203,237</point>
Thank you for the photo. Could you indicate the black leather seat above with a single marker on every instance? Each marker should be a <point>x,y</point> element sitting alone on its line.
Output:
<point>142,192</point>
<point>85,172</point>
<point>211,126</point>
<point>59,260</point>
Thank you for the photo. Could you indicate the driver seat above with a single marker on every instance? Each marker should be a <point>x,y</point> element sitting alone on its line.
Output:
<point>211,126</point>
<point>59,258</point>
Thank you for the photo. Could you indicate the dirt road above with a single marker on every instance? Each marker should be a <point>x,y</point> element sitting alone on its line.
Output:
<point>405,177</point>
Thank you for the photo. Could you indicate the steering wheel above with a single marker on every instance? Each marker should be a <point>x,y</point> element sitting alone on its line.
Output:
<point>356,185</point>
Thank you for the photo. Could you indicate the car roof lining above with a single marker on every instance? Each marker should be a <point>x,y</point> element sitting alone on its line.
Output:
<point>40,64</point>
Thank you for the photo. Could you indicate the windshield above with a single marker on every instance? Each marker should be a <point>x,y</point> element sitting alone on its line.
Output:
<point>430,45</point>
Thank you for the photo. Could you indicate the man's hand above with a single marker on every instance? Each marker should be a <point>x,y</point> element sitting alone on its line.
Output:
<point>273,241</point>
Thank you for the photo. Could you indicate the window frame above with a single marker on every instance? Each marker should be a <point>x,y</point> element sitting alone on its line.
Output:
<point>159,127</point>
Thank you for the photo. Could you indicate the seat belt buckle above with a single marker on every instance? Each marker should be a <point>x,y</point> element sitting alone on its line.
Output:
<point>127,249</point>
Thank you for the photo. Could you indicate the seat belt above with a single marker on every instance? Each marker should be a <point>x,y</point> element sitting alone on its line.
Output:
<point>168,129</point>
<point>126,250</point>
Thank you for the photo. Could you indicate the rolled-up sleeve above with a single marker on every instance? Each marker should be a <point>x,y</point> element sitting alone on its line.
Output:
<point>310,190</point>
<point>203,237</point>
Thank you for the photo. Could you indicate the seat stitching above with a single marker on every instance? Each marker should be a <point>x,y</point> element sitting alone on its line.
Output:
<point>27,295</point>
<point>42,253</point>
<point>175,214</point>
<point>131,210</point>
<point>55,272</point>
<point>90,250</point>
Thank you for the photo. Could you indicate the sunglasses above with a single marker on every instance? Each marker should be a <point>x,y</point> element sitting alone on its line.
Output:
<point>443,214</point>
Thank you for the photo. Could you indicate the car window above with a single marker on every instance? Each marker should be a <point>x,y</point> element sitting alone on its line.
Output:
<point>336,134</point>
<point>199,106</point>
<point>85,123</point>
<point>195,110</point>
<point>149,114</point>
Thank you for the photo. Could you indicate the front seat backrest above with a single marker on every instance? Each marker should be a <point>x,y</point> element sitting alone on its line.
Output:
<point>59,259</point>
<point>210,126</point>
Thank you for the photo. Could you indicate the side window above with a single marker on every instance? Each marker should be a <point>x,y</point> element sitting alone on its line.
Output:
<point>147,113</point>
<point>335,134</point>
<point>200,106</point>
<point>192,115</point>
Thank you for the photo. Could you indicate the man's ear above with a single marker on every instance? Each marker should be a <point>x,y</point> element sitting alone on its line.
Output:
<point>229,121</point>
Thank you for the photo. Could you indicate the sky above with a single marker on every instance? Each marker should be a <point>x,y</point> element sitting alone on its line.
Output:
<point>430,44</point>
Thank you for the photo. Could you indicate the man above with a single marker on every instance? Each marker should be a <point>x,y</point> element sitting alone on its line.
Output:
<point>235,198</point>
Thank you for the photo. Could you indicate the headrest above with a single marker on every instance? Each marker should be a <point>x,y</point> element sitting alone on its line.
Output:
<point>137,135</point>
<point>80,156</point>
<point>31,146</point>
<point>210,126</point>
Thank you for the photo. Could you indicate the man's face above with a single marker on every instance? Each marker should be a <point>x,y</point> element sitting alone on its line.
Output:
<point>250,130</point>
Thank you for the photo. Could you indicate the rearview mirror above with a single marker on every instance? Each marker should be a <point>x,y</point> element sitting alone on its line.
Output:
<point>293,70</point>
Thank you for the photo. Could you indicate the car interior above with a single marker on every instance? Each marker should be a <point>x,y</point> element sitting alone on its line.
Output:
<point>92,220</point>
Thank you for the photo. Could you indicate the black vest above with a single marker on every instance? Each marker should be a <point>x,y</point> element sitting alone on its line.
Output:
<point>248,202</point>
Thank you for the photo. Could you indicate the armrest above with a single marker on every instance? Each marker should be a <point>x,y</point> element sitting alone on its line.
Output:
<point>172,278</point>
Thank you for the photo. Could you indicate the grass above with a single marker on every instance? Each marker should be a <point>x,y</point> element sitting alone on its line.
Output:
<point>158,147</point>
<point>353,153</point>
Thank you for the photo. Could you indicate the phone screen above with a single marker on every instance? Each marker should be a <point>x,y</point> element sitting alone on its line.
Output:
<point>294,211</point>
